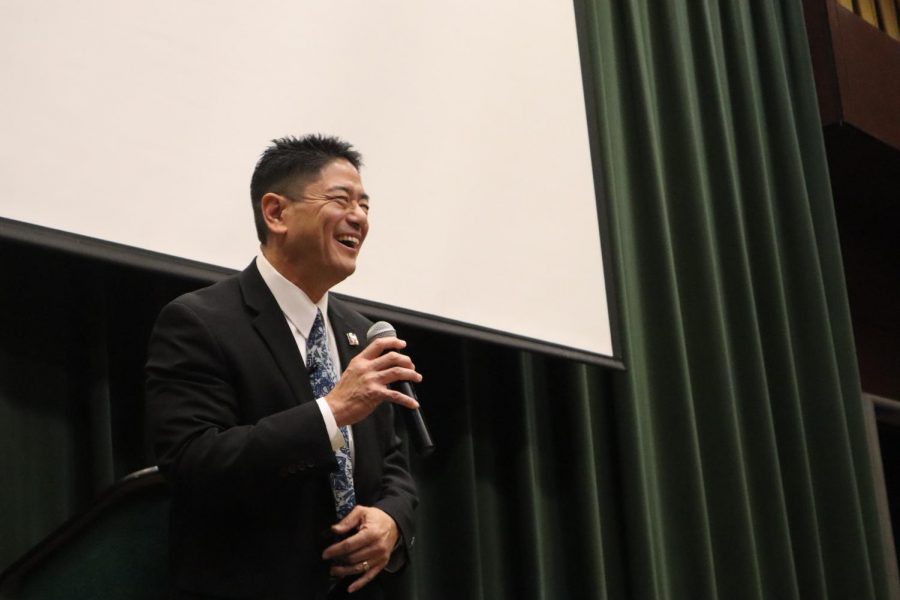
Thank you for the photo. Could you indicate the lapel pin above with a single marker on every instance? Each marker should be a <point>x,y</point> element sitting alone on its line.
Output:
<point>352,339</point>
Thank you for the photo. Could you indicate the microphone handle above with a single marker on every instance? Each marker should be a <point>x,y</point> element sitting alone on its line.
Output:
<point>415,424</point>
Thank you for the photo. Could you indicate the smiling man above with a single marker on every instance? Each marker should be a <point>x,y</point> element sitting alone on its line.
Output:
<point>270,419</point>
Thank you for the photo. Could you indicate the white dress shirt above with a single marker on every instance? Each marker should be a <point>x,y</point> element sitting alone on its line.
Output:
<point>300,313</point>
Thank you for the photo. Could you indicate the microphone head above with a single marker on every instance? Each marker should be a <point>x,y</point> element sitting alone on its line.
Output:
<point>379,330</point>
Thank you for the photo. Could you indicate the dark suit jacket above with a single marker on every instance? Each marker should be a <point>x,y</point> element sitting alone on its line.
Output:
<point>238,434</point>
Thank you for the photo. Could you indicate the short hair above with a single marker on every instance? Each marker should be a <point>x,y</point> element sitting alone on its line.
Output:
<point>291,159</point>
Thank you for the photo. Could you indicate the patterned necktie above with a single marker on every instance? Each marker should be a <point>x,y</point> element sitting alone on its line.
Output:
<point>322,379</point>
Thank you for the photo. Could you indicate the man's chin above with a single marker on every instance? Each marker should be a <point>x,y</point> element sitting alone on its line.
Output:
<point>344,270</point>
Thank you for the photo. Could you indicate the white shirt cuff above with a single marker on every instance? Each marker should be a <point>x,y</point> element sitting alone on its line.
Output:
<point>331,426</point>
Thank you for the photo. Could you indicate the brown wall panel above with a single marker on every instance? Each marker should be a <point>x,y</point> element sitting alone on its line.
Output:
<point>867,61</point>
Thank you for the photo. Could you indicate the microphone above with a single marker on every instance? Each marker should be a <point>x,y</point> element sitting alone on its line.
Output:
<point>414,421</point>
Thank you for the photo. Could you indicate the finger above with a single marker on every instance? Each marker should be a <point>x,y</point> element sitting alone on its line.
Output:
<point>351,521</point>
<point>392,359</point>
<point>382,345</point>
<point>366,578</point>
<point>358,541</point>
<point>370,553</point>
<point>340,549</point>
<point>402,399</point>
<point>357,567</point>
<point>393,374</point>
<point>337,549</point>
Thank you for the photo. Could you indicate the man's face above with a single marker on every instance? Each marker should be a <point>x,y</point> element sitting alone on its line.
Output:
<point>327,225</point>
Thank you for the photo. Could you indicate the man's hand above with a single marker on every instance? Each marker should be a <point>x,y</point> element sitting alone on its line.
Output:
<point>367,551</point>
<point>364,384</point>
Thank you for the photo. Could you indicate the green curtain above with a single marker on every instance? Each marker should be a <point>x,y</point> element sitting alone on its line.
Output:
<point>727,461</point>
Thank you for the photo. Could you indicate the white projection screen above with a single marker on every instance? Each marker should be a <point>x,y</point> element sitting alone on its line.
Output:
<point>139,123</point>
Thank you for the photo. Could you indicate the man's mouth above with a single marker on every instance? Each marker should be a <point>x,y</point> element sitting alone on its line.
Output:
<point>350,241</point>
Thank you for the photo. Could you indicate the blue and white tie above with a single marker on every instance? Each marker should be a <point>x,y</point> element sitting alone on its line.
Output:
<point>322,379</point>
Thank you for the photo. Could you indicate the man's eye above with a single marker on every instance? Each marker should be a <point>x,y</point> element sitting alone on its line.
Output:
<point>365,207</point>
<point>340,199</point>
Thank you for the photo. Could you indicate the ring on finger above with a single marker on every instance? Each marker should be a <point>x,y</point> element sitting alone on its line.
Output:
<point>365,566</point>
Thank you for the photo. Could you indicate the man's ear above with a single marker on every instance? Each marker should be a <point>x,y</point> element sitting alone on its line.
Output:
<point>272,206</point>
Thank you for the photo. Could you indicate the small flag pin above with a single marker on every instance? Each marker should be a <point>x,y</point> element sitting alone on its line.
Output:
<point>352,339</point>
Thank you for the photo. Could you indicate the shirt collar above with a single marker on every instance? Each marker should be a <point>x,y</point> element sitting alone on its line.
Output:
<point>294,303</point>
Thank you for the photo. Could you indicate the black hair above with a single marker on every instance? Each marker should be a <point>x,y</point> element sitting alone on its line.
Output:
<point>290,159</point>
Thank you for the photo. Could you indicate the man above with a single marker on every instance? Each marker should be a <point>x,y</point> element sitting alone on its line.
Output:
<point>288,481</point>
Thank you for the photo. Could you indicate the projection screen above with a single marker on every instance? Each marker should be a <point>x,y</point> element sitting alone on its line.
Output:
<point>139,123</point>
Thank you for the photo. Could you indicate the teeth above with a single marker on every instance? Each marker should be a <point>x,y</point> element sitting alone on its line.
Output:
<point>353,241</point>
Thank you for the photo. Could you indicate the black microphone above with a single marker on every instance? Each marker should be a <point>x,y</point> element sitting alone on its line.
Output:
<point>414,421</point>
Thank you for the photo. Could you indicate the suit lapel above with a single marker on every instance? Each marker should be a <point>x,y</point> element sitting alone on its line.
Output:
<point>341,327</point>
<point>363,432</point>
<point>270,324</point>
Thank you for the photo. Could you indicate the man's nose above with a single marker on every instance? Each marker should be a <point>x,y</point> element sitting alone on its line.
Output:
<point>357,214</point>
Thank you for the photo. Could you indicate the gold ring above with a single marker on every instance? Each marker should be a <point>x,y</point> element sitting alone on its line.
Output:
<point>365,566</point>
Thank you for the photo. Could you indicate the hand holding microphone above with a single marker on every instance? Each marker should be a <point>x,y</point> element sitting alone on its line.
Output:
<point>376,374</point>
